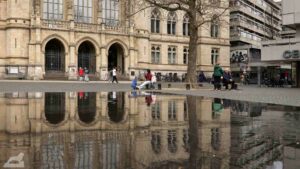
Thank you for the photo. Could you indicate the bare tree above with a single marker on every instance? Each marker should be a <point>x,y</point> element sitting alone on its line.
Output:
<point>200,12</point>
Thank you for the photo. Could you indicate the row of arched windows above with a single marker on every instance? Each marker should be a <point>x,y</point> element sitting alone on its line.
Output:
<point>172,21</point>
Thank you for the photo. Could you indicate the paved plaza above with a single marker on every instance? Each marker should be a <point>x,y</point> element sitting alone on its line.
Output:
<point>284,96</point>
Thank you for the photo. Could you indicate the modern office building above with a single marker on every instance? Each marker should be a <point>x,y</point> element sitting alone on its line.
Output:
<point>45,38</point>
<point>251,22</point>
<point>287,50</point>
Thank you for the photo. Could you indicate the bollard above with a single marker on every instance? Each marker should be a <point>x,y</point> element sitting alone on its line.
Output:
<point>159,86</point>
<point>188,86</point>
<point>169,85</point>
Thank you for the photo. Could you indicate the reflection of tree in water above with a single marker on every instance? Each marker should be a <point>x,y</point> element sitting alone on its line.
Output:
<point>197,158</point>
<point>116,106</point>
<point>86,106</point>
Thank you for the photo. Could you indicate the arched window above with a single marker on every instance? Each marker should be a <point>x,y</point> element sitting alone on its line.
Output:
<point>155,21</point>
<point>185,55</point>
<point>171,23</point>
<point>155,54</point>
<point>83,10</point>
<point>186,26</point>
<point>172,55</point>
<point>214,28</point>
<point>156,141</point>
<point>172,141</point>
<point>53,9</point>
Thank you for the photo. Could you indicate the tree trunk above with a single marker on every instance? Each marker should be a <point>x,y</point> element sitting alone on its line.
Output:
<point>192,59</point>
<point>193,133</point>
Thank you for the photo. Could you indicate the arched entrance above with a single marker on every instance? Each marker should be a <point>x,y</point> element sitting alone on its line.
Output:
<point>55,56</point>
<point>87,106</point>
<point>116,106</point>
<point>55,107</point>
<point>87,56</point>
<point>116,57</point>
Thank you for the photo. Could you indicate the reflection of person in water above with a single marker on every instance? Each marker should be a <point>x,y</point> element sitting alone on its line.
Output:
<point>148,100</point>
<point>81,95</point>
<point>217,105</point>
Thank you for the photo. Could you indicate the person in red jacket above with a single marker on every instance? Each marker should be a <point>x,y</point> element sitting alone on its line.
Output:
<point>148,77</point>
<point>80,73</point>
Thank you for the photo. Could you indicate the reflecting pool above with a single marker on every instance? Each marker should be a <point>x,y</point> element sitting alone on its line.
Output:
<point>141,130</point>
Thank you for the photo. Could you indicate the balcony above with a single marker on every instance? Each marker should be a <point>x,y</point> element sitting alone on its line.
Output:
<point>246,25</point>
<point>266,8</point>
<point>237,37</point>
<point>120,28</point>
<point>55,24</point>
<point>248,12</point>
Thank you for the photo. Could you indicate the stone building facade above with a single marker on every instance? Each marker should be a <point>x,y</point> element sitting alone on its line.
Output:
<point>44,38</point>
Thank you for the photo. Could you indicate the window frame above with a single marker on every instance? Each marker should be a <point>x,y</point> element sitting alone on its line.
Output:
<point>155,21</point>
<point>86,9</point>
<point>172,52</point>
<point>111,12</point>
<point>171,23</point>
<point>50,5</point>
<point>155,54</point>
<point>215,55</point>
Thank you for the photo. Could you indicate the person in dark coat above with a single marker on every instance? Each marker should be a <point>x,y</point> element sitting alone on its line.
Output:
<point>201,77</point>
<point>227,79</point>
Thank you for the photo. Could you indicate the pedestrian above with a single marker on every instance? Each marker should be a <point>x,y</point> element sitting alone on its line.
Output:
<point>227,79</point>
<point>134,83</point>
<point>80,73</point>
<point>86,74</point>
<point>114,75</point>
<point>242,76</point>
<point>148,77</point>
<point>153,81</point>
<point>218,75</point>
<point>201,77</point>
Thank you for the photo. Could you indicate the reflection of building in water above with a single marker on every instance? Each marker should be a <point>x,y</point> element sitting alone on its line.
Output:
<point>109,131</point>
<point>292,156</point>
<point>252,141</point>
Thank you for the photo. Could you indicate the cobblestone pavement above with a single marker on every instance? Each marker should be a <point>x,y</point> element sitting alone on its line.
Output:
<point>284,96</point>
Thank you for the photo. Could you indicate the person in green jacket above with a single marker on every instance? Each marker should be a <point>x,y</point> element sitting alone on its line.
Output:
<point>218,74</point>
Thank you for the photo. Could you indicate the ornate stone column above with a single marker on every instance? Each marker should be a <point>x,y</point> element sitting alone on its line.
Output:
<point>72,66</point>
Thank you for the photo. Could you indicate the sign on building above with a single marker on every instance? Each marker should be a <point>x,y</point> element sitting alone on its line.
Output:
<point>239,56</point>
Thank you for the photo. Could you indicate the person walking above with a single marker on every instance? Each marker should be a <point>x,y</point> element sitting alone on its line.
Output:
<point>218,75</point>
<point>114,75</point>
<point>80,73</point>
<point>86,74</point>
<point>153,81</point>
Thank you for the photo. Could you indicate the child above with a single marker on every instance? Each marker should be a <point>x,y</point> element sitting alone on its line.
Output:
<point>134,83</point>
